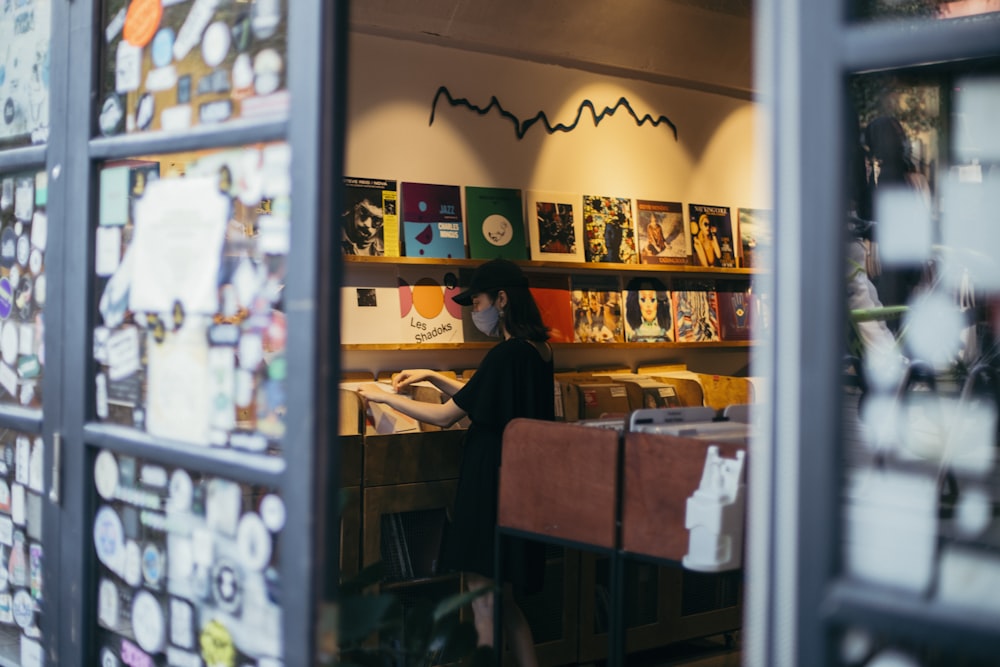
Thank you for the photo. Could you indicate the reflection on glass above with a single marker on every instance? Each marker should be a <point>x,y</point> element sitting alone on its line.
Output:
<point>922,395</point>
<point>25,35</point>
<point>877,10</point>
<point>23,239</point>
<point>190,260</point>
<point>21,554</point>
<point>187,569</point>
<point>173,65</point>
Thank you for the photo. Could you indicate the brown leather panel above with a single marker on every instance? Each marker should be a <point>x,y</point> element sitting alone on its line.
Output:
<point>661,472</point>
<point>559,480</point>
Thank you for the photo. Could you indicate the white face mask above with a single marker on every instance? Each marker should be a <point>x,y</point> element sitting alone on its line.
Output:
<point>487,321</point>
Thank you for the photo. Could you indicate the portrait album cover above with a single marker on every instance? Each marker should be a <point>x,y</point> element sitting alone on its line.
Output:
<point>608,229</point>
<point>555,226</point>
<point>713,242</point>
<point>369,306</point>
<point>427,313</point>
<point>662,236</point>
<point>370,219</point>
<point>756,228</point>
<point>597,309</point>
<point>495,223</point>
<point>696,313</point>
<point>432,221</point>
<point>648,311</point>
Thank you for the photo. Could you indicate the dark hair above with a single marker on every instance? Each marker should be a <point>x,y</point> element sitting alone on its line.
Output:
<point>521,317</point>
<point>633,315</point>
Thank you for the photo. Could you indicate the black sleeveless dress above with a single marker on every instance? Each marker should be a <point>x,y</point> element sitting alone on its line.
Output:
<point>512,381</point>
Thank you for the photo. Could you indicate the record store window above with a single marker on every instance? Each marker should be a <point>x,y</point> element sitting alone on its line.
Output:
<point>25,37</point>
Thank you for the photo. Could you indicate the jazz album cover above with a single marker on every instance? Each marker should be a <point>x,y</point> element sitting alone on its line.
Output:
<point>432,221</point>
<point>370,219</point>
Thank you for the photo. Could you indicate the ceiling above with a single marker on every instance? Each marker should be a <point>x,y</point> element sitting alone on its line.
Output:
<point>702,44</point>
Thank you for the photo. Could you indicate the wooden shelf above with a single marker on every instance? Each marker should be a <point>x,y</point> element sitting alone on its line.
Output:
<point>563,267</point>
<point>722,345</point>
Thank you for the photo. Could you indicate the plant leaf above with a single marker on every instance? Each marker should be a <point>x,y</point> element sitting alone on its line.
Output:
<point>418,627</point>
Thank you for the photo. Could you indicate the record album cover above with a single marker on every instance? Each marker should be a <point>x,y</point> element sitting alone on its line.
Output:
<point>370,219</point>
<point>495,223</point>
<point>432,221</point>
<point>427,312</point>
<point>734,312</point>
<point>755,226</point>
<point>609,230</point>
<point>555,226</point>
<point>712,240</point>
<point>663,238</point>
<point>648,311</point>
<point>696,316</point>
<point>597,310</point>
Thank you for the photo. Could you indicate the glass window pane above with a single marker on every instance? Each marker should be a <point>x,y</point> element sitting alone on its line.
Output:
<point>23,239</point>
<point>22,601</point>
<point>25,34</point>
<point>190,260</point>
<point>922,398</point>
<point>186,566</point>
<point>174,65</point>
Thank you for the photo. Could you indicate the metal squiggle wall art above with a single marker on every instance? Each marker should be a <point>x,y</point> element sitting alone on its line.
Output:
<point>521,127</point>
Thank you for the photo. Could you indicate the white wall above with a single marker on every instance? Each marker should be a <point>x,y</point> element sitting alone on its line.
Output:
<point>392,85</point>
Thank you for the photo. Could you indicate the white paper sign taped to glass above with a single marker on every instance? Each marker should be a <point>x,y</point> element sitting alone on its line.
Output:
<point>180,226</point>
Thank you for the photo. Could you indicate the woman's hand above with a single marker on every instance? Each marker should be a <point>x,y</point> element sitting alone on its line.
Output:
<point>373,392</point>
<point>404,379</point>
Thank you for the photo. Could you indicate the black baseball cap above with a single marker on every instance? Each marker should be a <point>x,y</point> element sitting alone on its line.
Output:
<point>495,274</point>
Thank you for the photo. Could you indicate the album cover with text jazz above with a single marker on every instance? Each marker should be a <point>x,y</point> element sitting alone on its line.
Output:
<point>432,221</point>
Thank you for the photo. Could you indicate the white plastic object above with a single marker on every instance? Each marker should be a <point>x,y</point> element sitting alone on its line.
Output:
<point>714,517</point>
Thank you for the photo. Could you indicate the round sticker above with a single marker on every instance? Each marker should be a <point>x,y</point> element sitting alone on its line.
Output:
<point>242,72</point>
<point>23,248</point>
<point>107,604</point>
<point>109,538</point>
<point>142,21</point>
<point>133,564</point>
<point>215,44</point>
<point>9,342</point>
<point>148,622</point>
<point>152,565</point>
<point>217,644</point>
<point>227,585</point>
<point>8,111</point>
<point>144,111</point>
<point>8,247</point>
<point>35,261</point>
<point>253,541</point>
<point>272,511</point>
<point>106,474</point>
<point>181,488</point>
<point>14,276</point>
<point>40,290</point>
<point>265,17</point>
<point>24,608</point>
<point>162,52</point>
<point>108,658</point>
<point>112,115</point>
<point>267,71</point>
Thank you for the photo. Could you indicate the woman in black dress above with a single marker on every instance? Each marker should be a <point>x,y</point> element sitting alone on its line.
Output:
<point>515,379</point>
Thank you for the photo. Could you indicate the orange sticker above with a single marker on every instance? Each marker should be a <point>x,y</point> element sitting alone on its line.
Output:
<point>142,21</point>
